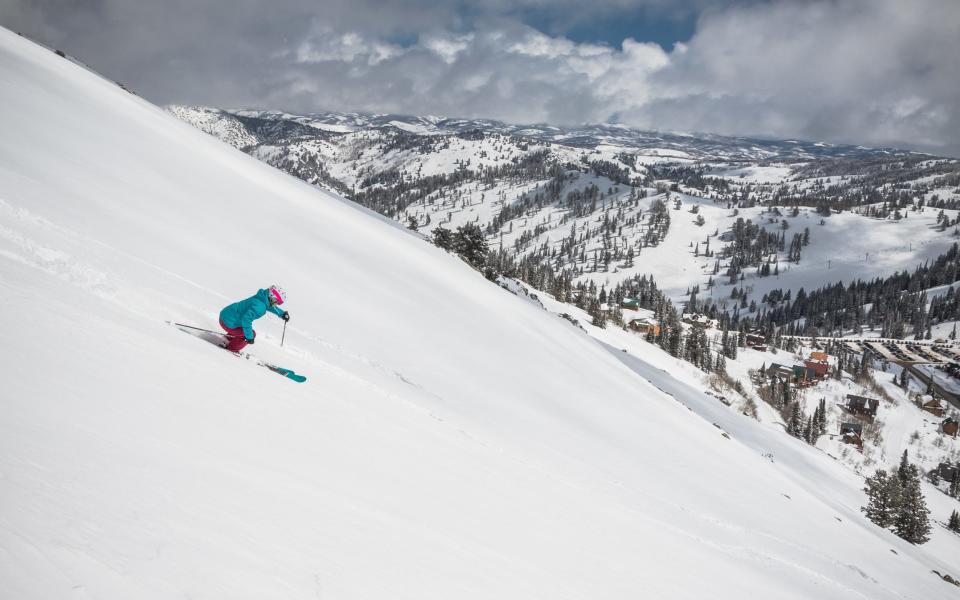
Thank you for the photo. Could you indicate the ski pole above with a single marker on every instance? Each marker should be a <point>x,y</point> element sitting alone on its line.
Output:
<point>282,337</point>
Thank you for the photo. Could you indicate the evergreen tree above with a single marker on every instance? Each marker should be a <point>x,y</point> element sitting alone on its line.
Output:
<point>955,485</point>
<point>954,523</point>
<point>913,522</point>
<point>785,394</point>
<point>882,497</point>
<point>818,422</point>
<point>904,471</point>
<point>808,431</point>
<point>470,243</point>
<point>795,423</point>
<point>443,238</point>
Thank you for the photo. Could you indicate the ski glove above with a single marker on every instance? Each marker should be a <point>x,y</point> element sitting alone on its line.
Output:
<point>286,316</point>
<point>249,340</point>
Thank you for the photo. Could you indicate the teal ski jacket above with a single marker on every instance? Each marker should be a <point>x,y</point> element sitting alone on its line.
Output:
<point>245,312</point>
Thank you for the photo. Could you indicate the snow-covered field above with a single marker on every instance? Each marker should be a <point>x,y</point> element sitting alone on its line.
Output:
<point>453,440</point>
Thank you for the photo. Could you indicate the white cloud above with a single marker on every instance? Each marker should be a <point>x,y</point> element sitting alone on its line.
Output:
<point>877,72</point>
<point>863,71</point>
<point>325,45</point>
<point>446,46</point>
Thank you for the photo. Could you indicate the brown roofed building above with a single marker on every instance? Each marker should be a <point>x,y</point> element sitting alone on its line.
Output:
<point>820,369</point>
<point>645,325</point>
<point>950,427</point>
<point>934,407</point>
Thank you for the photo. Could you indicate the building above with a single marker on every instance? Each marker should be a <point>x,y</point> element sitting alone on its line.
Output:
<point>820,369</point>
<point>699,320</point>
<point>778,371</point>
<point>950,426</point>
<point>754,339</point>
<point>933,406</point>
<point>819,356</point>
<point>862,406</point>
<point>947,471</point>
<point>630,304</point>
<point>804,375</point>
<point>645,325</point>
<point>852,433</point>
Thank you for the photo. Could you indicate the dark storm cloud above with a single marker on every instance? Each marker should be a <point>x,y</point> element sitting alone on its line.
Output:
<point>877,72</point>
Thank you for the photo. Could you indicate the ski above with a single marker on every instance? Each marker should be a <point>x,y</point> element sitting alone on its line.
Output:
<point>219,339</point>
<point>285,372</point>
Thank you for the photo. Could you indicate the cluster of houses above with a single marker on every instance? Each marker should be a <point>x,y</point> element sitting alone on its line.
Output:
<point>949,425</point>
<point>809,373</point>
<point>860,409</point>
<point>644,325</point>
<point>864,409</point>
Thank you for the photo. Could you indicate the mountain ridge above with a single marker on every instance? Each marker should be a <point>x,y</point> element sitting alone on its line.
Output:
<point>708,145</point>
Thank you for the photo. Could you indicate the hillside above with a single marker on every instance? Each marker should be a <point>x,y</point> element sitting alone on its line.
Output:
<point>454,440</point>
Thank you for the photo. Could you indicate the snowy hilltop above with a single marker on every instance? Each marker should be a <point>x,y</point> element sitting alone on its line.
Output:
<point>455,439</point>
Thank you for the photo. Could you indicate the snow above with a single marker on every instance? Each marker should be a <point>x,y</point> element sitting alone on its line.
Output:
<point>331,127</point>
<point>756,173</point>
<point>453,440</point>
<point>411,127</point>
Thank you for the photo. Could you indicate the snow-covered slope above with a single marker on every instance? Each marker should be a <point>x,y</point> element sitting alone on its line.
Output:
<point>453,440</point>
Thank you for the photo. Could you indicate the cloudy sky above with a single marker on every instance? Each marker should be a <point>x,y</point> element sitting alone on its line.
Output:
<point>873,72</point>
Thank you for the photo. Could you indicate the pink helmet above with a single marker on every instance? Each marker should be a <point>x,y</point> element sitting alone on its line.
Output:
<point>276,294</point>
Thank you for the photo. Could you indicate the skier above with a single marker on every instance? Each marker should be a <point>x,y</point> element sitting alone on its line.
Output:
<point>237,319</point>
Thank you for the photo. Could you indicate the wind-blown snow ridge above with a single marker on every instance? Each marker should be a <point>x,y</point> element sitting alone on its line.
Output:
<point>453,441</point>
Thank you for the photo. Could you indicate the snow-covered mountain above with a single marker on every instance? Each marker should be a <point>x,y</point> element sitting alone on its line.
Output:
<point>454,439</point>
<point>702,146</point>
<point>607,203</point>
